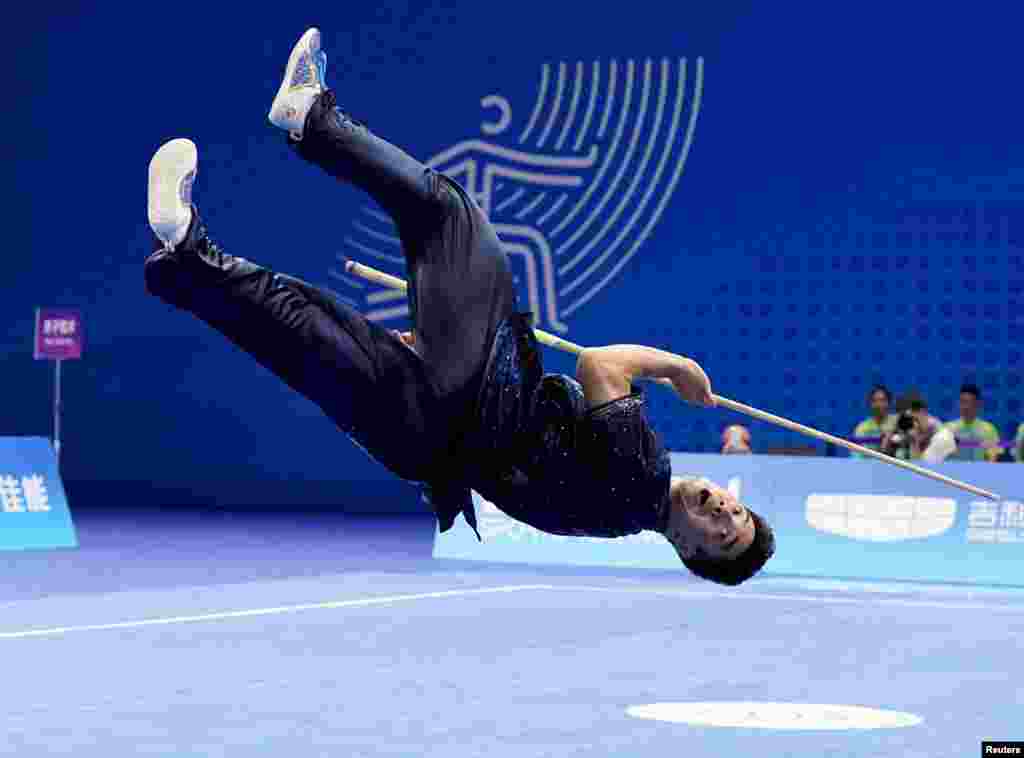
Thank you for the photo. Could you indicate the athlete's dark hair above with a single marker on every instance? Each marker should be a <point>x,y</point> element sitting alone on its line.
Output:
<point>734,571</point>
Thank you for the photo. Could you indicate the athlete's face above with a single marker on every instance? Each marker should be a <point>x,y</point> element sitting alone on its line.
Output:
<point>708,517</point>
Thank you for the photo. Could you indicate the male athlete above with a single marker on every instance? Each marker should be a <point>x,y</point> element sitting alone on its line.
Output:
<point>460,402</point>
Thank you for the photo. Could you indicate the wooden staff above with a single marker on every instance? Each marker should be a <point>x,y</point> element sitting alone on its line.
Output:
<point>370,274</point>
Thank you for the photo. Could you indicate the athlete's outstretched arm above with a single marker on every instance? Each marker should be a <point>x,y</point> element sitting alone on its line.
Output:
<point>606,373</point>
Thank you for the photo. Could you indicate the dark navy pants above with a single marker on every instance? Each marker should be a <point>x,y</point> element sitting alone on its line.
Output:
<point>405,407</point>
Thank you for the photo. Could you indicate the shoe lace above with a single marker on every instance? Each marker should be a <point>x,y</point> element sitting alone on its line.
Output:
<point>304,73</point>
<point>186,188</point>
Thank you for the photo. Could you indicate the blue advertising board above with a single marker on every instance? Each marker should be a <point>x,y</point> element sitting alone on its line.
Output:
<point>833,518</point>
<point>34,513</point>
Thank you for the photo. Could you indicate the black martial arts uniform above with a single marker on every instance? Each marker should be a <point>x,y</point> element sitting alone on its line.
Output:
<point>470,406</point>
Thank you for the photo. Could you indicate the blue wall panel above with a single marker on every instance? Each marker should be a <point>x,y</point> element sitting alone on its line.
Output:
<point>838,202</point>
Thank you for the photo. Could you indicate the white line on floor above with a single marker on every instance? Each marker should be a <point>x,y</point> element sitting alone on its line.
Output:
<point>860,600</point>
<point>356,603</point>
<point>387,599</point>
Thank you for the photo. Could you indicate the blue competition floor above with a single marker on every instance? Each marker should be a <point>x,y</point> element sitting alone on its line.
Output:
<point>208,635</point>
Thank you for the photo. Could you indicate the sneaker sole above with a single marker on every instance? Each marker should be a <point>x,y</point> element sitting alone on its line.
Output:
<point>172,164</point>
<point>308,41</point>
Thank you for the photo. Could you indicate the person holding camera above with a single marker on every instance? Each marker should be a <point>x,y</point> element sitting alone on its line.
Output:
<point>918,434</point>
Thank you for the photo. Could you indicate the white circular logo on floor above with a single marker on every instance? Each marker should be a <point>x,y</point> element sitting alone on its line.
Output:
<point>774,715</point>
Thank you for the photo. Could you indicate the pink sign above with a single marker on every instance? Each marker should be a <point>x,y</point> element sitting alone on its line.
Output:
<point>58,334</point>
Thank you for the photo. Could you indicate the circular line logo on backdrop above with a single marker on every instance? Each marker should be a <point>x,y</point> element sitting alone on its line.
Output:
<point>574,185</point>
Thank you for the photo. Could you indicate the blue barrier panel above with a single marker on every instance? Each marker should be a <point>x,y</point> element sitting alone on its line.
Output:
<point>834,518</point>
<point>34,511</point>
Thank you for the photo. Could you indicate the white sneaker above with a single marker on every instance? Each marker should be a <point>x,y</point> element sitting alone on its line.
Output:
<point>303,82</point>
<point>171,174</point>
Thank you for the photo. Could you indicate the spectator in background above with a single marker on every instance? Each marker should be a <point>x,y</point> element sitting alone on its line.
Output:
<point>925,426</point>
<point>929,441</point>
<point>870,431</point>
<point>736,439</point>
<point>914,430</point>
<point>1018,445</point>
<point>976,439</point>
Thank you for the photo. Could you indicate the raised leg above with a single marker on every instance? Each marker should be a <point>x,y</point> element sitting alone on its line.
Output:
<point>364,379</point>
<point>460,280</point>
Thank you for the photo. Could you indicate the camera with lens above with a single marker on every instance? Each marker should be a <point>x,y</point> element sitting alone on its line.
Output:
<point>899,441</point>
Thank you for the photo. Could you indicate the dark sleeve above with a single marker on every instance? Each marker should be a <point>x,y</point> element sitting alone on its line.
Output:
<point>447,502</point>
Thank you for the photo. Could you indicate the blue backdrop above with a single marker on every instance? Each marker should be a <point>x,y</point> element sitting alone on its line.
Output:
<point>807,199</point>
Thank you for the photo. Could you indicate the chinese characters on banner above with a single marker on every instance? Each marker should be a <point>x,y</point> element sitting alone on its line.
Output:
<point>989,522</point>
<point>58,334</point>
<point>34,513</point>
<point>23,494</point>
